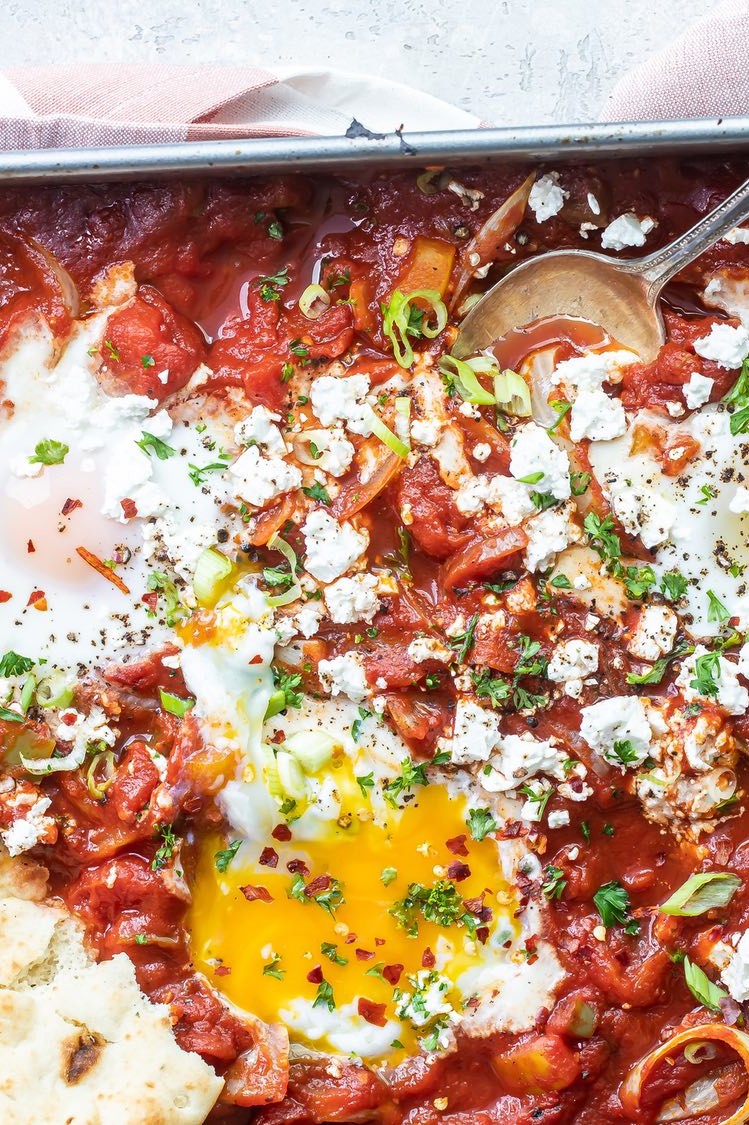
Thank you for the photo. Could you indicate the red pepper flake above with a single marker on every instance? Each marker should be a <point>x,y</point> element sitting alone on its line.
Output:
<point>392,973</point>
<point>253,894</point>
<point>101,568</point>
<point>151,600</point>
<point>281,832</point>
<point>222,971</point>
<point>364,955</point>
<point>38,599</point>
<point>371,1012</point>
<point>69,718</point>
<point>315,976</point>
<point>5,595</point>
<point>350,939</point>
<point>129,509</point>
<point>319,884</point>
<point>482,933</point>
<point>428,960</point>
<point>458,871</point>
<point>256,660</point>
<point>30,548</point>
<point>70,505</point>
<point>457,845</point>
<point>297,867</point>
<point>379,941</point>
<point>268,858</point>
<point>278,737</point>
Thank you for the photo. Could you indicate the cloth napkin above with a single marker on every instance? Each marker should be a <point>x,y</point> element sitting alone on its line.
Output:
<point>703,73</point>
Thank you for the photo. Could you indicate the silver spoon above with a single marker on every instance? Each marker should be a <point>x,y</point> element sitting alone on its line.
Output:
<point>620,296</point>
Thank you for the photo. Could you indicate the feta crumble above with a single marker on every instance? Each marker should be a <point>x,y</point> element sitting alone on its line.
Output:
<point>537,461</point>
<point>547,197</point>
<point>475,733</point>
<point>654,633</point>
<point>352,599</point>
<point>259,479</point>
<point>344,675</point>
<point>698,390</point>
<point>331,547</point>
<point>258,428</point>
<point>626,230</point>
<point>342,400</point>
<point>725,345</point>
<point>731,695</point>
<point>622,718</point>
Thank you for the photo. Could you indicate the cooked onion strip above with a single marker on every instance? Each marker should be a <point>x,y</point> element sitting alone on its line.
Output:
<point>276,543</point>
<point>102,568</point>
<point>397,317</point>
<point>630,1093</point>
<point>512,394</point>
<point>386,435</point>
<point>488,241</point>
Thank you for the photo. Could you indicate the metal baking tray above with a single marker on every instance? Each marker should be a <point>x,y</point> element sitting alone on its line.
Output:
<point>391,150</point>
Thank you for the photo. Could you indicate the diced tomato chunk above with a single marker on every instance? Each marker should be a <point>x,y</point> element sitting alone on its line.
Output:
<point>537,1065</point>
<point>31,281</point>
<point>433,519</point>
<point>149,349</point>
<point>134,782</point>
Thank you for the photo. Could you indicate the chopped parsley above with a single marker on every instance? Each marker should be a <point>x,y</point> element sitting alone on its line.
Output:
<point>638,581</point>
<point>462,643</point>
<point>317,492</point>
<point>365,781</point>
<point>150,442</point>
<point>166,849</point>
<point>541,798</point>
<point>706,674</point>
<point>275,230</point>
<point>673,585</point>
<point>739,397</point>
<point>411,775</point>
<point>49,452</point>
<point>12,664</point>
<point>331,952</point>
<point>603,538</point>
<point>490,687</point>
<point>198,474</point>
<point>612,903</point>
<point>147,361</point>
<point>223,858</point>
<point>174,611</point>
<point>270,287</point>
<point>561,408</point>
<point>440,903</point>
<point>707,492</point>
<point>481,823</point>
<point>273,969</point>
<point>716,611</point>
<point>555,883</point>
<point>324,997</point>
<point>624,752</point>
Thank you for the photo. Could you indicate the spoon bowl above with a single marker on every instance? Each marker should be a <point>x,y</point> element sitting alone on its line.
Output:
<point>619,295</point>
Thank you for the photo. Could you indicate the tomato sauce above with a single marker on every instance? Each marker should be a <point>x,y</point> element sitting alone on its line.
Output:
<point>200,251</point>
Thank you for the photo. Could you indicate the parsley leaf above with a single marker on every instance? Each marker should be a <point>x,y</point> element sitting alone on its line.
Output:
<point>223,858</point>
<point>716,611</point>
<point>481,823</point>
<point>612,903</point>
<point>49,452</point>
<point>411,774</point>
<point>318,492</point>
<point>673,585</point>
<point>14,665</point>
<point>160,448</point>
<point>440,903</point>
<point>331,952</point>
<point>167,848</point>
<point>197,474</point>
<point>324,997</point>
<point>706,669</point>
<point>270,287</point>
<point>273,969</point>
<point>493,688</point>
<point>603,538</point>
<point>463,642</point>
<point>555,882</point>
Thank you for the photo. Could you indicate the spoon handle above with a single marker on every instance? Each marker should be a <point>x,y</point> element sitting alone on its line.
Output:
<point>658,268</point>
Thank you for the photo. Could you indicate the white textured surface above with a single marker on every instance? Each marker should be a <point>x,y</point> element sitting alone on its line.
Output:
<point>509,61</point>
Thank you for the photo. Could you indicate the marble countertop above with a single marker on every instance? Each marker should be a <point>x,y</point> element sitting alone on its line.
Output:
<point>508,61</point>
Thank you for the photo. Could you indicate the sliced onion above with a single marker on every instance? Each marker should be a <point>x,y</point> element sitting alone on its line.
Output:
<point>302,451</point>
<point>403,419</point>
<point>98,789</point>
<point>706,891</point>
<point>396,315</point>
<point>40,766</point>
<point>489,240</point>
<point>312,748</point>
<point>276,543</point>
<point>465,380</point>
<point>512,394</point>
<point>703,1095</point>
<point>211,571</point>
<point>540,368</point>
<point>697,1053</point>
<point>424,181</point>
<point>386,435</point>
<point>314,301</point>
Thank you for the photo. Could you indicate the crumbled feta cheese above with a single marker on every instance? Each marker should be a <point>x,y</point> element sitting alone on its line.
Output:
<point>547,197</point>
<point>28,830</point>
<point>178,542</point>
<point>622,718</point>
<point>735,976</point>
<point>571,662</point>
<point>342,400</point>
<point>422,649</point>
<point>593,203</point>
<point>475,733</point>
<point>581,582</point>
<point>344,675</point>
<point>732,696</point>
<point>641,510</point>
<point>740,501</point>
<point>336,451</point>
<point>737,236</point>
<point>331,547</point>
<point>626,230</point>
<point>259,479</point>
<point>654,633</point>
<point>725,345</point>
<point>307,619</point>
<point>595,414</point>
<point>535,460</point>
<point>698,390</point>
<point>548,534</point>
<point>352,599</point>
<point>426,431</point>
<point>558,818</point>
<point>482,451</point>
<point>258,429</point>
<point>519,758</point>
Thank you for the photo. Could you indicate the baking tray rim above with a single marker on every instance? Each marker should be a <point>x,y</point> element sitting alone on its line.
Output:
<point>391,150</point>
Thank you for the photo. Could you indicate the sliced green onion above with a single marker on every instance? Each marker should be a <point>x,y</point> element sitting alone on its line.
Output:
<point>403,419</point>
<point>701,987</point>
<point>211,571</point>
<point>27,693</point>
<point>64,764</point>
<point>424,181</point>
<point>276,704</point>
<point>386,435</point>
<point>271,775</point>
<point>291,776</point>
<point>396,321</point>
<point>462,373</point>
<point>174,705</point>
<point>98,789</point>
<point>312,748</point>
<point>55,690</point>
<point>314,301</point>
<point>512,394</point>
<point>699,1052</point>
<point>294,591</point>
<point>700,893</point>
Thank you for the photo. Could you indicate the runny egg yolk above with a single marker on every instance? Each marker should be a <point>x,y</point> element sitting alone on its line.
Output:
<point>265,954</point>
